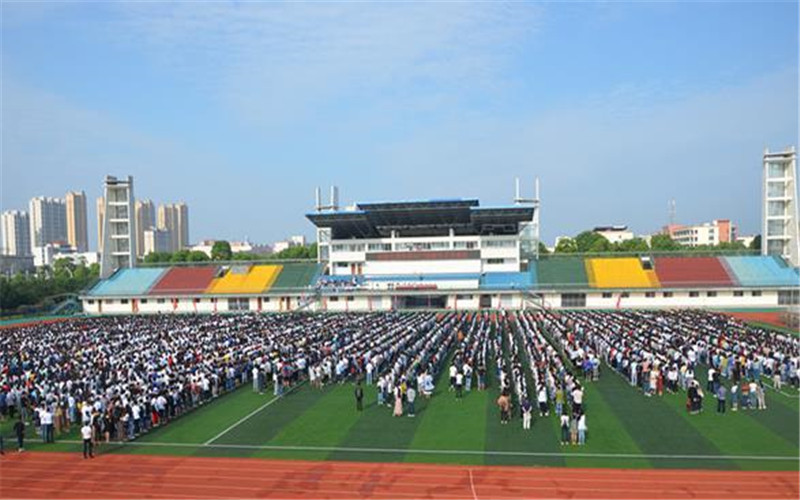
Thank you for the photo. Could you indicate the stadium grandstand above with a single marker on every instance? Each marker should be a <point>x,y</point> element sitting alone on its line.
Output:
<point>446,254</point>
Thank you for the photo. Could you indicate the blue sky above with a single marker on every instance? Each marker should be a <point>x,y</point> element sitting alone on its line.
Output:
<point>242,108</point>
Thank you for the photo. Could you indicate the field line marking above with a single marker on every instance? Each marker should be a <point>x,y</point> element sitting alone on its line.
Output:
<point>472,485</point>
<point>246,417</point>
<point>423,451</point>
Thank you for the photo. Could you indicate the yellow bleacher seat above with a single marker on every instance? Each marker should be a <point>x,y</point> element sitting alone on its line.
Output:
<point>256,279</point>
<point>619,273</point>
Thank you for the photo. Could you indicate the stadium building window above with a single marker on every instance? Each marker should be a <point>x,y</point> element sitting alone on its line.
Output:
<point>650,295</point>
<point>625,295</point>
<point>196,301</point>
<point>738,293</point>
<point>495,261</point>
<point>694,294</point>
<point>143,301</point>
<point>608,295</point>
<point>788,297</point>
<point>666,295</point>
<point>123,301</point>
<point>499,243</point>
<point>711,294</point>
<point>463,297</point>
<point>756,293</point>
<point>159,301</point>
<point>573,300</point>
<point>90,301</point>
<point>350,298</point>
<point>265,299</point>
<point>334,299</point>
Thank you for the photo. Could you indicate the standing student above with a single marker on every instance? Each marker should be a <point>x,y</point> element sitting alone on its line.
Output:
<point>398,402</point>
<point>19,431</point>
<point>527,410</point>
<point>582,429</point>
<point>721,395</point>
<point>359,393</point>
<point>411,396</point>
<point>564,428</point>
<point>86,434</point>
<point>459,385</point>
<point>504,403</point>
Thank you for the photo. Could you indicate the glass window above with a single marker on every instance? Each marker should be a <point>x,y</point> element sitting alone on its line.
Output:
<point>711,294</point>
<point>776,170</point>
<point>607,295</point>
<point>694,294</point>
<point>775,228</point>
<point>738,293</point>
<point>667,294</point>
<point>650,295</point>
<point>776,189</point>
<point>776,208</point>
<point>756,293</point>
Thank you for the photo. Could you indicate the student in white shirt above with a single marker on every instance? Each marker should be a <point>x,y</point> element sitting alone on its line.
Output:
<point>86,434</point>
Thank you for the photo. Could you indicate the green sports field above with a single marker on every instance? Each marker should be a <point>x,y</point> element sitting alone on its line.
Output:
<point>626,429</point>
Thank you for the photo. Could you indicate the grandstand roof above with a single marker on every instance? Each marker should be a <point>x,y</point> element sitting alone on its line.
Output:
<point>422,218</point>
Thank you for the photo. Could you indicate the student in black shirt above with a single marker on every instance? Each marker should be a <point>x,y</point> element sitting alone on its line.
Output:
<point>19,431</point>
<point>359,393</point>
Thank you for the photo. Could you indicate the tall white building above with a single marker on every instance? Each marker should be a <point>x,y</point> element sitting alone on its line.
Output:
<point>48,217</point>
<point>77,234</point>
<point>119,236</point>
<point>780,215</point>
<point>145,214</point>
<point>174,217</point>
<point>16,233</point>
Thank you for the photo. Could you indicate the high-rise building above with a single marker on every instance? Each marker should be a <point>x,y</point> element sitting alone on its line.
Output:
<point>145,215</point>
<point>77,234</point>
<point>174,217</point>
<point>16,233</point>
<point>779,234</point>
<point>48,217</point>
<point>155,240</point>
<point>119,236</point>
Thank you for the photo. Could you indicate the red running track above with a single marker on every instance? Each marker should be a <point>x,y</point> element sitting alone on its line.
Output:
<point>63,475</point>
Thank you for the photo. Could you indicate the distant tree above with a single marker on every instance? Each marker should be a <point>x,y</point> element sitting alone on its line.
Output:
<point>663,242</point>
<point>543,249</point>
<point>180,256</point>
<point>589,241</point>
<point>566,245</point>
<point>221,250</point>
<point>632,245</point>
<point>756,243</point>
<point>197,256</point>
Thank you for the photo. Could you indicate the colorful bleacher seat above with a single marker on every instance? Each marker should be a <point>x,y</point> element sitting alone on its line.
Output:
<point>625,272</point>
<point>185,280</point>
<point>128,282</point>
<point>677,272</point>
<point>245,279</point>
<point>561,272</point>
<point>762,271</point>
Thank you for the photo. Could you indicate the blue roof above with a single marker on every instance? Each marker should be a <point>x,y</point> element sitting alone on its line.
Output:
<point>128,282</point>
<point>762,271</point>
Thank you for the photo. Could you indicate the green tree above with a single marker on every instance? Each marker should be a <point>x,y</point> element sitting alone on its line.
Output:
<point>198,256</point>
<point>543,249</point>
<point>756,243</point>
<point>663,242</point>
<point>566,245</point>
<point>632,245</point>
<point>180,256</point>
<point>589,241</point>
<point>221,250</point>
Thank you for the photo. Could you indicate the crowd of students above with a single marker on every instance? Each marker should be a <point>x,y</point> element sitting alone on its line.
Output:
<point>660,351</point>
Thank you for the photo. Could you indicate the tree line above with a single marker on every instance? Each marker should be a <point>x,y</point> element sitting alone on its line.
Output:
<point>591,242</point>
<point>37,292</point>
<point>221,251</point>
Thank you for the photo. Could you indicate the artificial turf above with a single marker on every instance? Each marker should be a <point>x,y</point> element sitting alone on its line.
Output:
<point>626,429</point>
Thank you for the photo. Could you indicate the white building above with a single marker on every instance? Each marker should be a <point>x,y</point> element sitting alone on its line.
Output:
<point>614,234</point>
<point>780,212</point>
<point>77,234</point>
<point>119,236</point>
<point>205,246</point>
<point>48,221</point>
<point>16,233</point>
<point>155,240</point>
<point>292,241</point>
<point>746,240</point>
<point>709,233</point>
